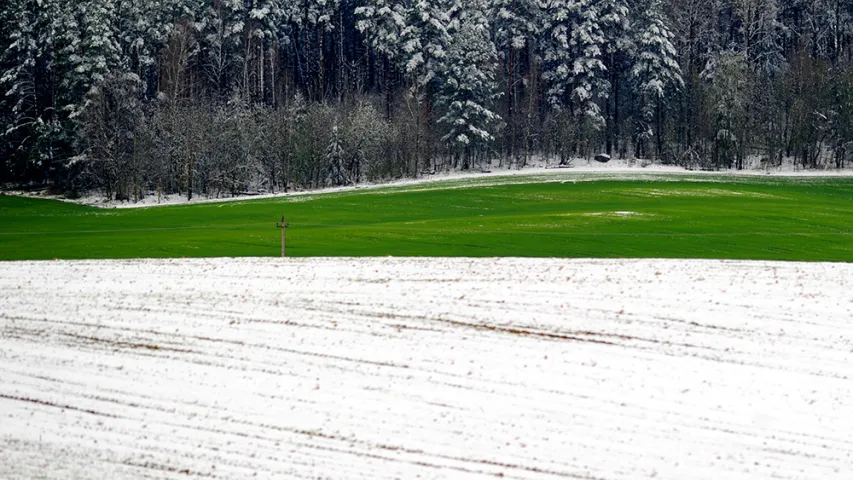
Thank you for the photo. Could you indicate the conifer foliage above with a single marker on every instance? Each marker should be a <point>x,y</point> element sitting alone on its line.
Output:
<point>656,74</point>
<point>468,86</point>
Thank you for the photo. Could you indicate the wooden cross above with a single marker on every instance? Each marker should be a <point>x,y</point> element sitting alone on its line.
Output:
<point>283,227</point>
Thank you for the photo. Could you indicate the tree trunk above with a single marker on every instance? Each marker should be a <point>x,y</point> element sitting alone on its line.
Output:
<point>532,92</point>
<point>322,73</point>
<point>608,126</point>
<point>428,128</point>
<point>658,129</point>
<point>511,101</point>
<point>387,69</point>
<point>190,162</point>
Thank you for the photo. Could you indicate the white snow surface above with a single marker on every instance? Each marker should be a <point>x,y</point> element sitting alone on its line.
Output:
<point>426,368</point>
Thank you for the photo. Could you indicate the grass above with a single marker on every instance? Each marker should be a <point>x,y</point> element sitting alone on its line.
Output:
<point>684,216</point>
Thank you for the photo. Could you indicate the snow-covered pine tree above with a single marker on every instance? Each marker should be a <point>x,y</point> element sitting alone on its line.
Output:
<point>616,27</point>
<point>423,43</point>
<point>93,50</point>
<point>336,175</point>
<point>221,26</point>
<point>841,116</point>
<point>761,34</point>
<point>381,23</point>
<point>694,24</point>
<point>841,29</point>
<point>265,20</point>
<point>809,25</point>
<point>28,84</point>
<point>106,137</point>
<point>655,73</point>
<point>515,22</point>
<point>615,21</point>
<point>422,49</point>
<point>267,17</point>
<point>468,86</point>
<point>308,31</point>
<point>731,89</point>
<point>515,29</point>
<point>142,28</point>
<point>21,55</point>
<point>573,46</point>
<point>312,13</point>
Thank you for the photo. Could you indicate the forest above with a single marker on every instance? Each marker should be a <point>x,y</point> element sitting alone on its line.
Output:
<point>132,98</point>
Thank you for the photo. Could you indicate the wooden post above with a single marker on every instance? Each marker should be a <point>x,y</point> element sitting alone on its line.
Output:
<point>283,227</point>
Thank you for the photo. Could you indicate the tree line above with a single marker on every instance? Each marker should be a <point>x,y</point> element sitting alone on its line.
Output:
<point>220,97</point>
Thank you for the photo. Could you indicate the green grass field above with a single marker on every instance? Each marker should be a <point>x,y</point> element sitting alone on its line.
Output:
<point>673,216</point>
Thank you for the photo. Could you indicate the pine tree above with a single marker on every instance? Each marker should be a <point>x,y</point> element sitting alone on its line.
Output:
<point>28,83</point>
<point>92,50</point>
<point>106,126</point>
<point>841,116</point>
<point>822,27</point>
<point>614,18</point>
<point>423,43</point>
<point>142,28</point>
<point>616,27</point>
<point>468,84</point>
<point>731,90</point>
<point>221,26</point>
<point>335,172</point>
<point>655,72</point>
<point>312,13</point>
<point>573,46</point>
<point>25,49</point>
<point>265,19</point>
<point>516,22</point>
<point>381,22</point>
<point>516,25</point>
<point>760,33</point>
<point>413,35</point>
<point>310,26</point>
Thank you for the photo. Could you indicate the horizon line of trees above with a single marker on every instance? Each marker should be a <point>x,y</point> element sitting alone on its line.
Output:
<point>219,97</point>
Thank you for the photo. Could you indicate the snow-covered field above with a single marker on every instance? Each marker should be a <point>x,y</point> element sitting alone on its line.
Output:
<point>426,368</point>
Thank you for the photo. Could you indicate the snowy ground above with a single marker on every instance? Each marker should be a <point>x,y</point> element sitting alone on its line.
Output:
<point>581,170</point>
<point>426,368</point>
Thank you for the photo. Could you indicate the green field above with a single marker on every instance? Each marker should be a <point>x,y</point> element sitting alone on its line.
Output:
<point>673,216</point>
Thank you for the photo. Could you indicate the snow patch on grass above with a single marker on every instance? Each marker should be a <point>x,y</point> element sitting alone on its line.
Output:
<point>618,215</point>
<point>703,193</point>
<point>614,214</point>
